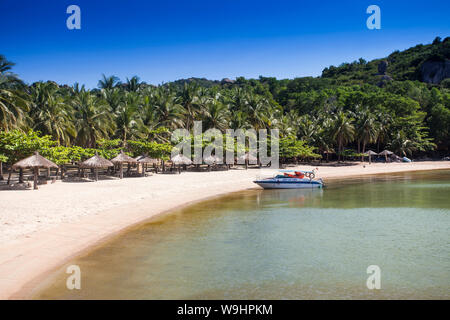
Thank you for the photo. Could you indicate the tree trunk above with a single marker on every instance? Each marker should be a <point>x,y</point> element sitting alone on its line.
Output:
<point>36,173</point>
<point>363,150</point>
<point>9,175</point>
<point>20,175</point>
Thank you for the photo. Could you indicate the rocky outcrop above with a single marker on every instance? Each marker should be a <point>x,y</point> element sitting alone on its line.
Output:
<point>435,71</point>
<point>382,67</point>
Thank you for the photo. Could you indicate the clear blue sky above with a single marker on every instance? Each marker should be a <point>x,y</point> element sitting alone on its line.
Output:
<point>162,41</point>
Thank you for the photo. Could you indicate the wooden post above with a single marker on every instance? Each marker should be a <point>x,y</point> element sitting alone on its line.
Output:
<point>20,175</point>
<point>121,170</point>
<point>9,176</point>
<point>1,170</point>
<point>96,174</point>
<point>36,173</point>
<point>246,164</point>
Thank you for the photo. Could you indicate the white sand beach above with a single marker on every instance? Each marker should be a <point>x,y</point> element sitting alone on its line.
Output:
<point>42,229</point>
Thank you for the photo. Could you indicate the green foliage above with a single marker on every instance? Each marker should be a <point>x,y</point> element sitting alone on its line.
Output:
<point>344,108</point>
<point>16,145</point>
<point>290,147</point>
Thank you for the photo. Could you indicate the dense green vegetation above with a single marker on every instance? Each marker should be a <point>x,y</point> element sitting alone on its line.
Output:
<point>347,110</point>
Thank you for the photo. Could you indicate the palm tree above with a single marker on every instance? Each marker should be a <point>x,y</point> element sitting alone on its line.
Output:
<point>108,82</point>
<point>5,65</point>
<point>93,119</point>
<point>215,114</point>
<point>402,145</point>
<point>113,98</point>
<point>368,130</point>
<point>133,84</point>
<point>13,99</point>
<point>127,117</point>
<point>343,130</point>
<point>51,114</point>
<point>189,101</point>
<point>168,110</point>
<point>13,104</point>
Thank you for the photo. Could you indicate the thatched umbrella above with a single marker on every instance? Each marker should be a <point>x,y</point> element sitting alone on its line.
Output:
<point>370,153</point>
<point>96,162</point>
<point>179,160</point>
<point>35,161</point>
<point>145,160</point>
<point>385,153</point>
<point>121,159</point>
<point>247,158</point>
<point>211,160</point>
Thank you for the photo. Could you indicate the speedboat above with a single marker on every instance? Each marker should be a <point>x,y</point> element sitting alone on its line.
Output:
<point>291,179</point>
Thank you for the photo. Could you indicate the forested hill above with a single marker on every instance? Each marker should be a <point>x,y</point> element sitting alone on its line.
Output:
<point>400,103</point>
<point>428,63</point>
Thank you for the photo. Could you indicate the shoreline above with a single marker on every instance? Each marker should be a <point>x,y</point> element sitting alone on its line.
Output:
<point>32,250</point>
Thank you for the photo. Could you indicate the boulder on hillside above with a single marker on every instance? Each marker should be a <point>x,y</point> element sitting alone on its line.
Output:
<point>435,71</point>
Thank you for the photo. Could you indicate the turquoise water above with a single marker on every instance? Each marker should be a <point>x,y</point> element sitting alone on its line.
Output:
<point>282,244</point>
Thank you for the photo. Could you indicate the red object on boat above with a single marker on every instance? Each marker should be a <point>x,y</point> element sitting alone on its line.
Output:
<point>298,174</point>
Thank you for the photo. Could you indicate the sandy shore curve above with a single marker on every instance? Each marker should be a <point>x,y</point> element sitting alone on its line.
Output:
<point>41,230</point>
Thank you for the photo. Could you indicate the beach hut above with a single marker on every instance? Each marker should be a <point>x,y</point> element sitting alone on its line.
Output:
<point>96,162</point>
<point>144,160</point>
<point>385,153</point>
<point>247,158</point>
<point>179,160</point>
<point>370,153</point>
<point>121,159</point>
<point>35,162</point>
<point>212,160</point>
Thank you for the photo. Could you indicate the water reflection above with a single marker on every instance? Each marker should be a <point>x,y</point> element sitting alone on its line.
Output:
<point>282,244</point>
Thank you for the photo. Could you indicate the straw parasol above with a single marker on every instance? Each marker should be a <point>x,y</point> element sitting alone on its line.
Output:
<point>121,159</point>
<point>180,159</point>
<point>211,160</point>
<point>370,153</point>
<point>385,153</point>
<point>35,161</point>
<point>247,158</point>
<point>95,163</point>
<point>145,160</point>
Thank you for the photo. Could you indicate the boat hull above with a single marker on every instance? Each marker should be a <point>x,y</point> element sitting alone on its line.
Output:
<point>283,184</point>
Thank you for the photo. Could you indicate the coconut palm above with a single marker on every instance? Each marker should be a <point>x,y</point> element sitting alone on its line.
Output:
<point>167,108</point>
<point>127,117</point>
<point>51,114</point>
<point>189,102</point>
<point>93,118</point>
<point>108,82</point>
<point>133,84</point>
<point>13,104</point>
<point>215,114</point>
<point>343,130</point>
<point>402,145</point>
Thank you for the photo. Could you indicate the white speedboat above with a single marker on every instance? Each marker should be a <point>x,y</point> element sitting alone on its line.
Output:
<point>285,180</point>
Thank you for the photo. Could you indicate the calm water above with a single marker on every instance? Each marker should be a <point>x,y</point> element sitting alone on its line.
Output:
<point>285,244</point>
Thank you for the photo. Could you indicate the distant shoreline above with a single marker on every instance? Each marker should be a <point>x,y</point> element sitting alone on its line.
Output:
<point>41,230</point>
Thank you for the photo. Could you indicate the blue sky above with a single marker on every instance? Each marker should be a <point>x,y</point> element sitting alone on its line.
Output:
<point>162,41</point>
